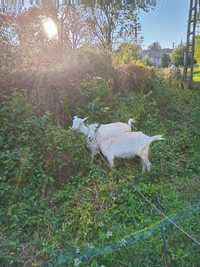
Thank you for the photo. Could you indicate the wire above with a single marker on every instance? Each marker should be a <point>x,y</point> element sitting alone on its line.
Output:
<point>166,217</point>
<point>88,253</point>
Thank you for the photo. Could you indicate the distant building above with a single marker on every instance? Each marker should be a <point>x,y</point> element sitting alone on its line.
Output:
<point>155,56</point>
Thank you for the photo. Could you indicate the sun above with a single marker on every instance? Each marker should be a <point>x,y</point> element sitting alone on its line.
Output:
<point>50,28</point>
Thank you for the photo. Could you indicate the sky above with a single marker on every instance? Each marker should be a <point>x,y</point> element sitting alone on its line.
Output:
<point>167,23</point>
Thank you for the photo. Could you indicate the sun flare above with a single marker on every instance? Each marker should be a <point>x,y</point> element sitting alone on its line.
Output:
<point>50,28</point>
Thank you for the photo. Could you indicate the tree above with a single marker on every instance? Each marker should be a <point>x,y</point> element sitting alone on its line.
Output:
<point>137,31</point>
<point>112,21</point>
<point>75,29</point>
<point>61,13</point>
<point>127,53</point>
<point>16,6</point>
<point>177,56</point>
<point>165,60</point>
<point>155,46</point>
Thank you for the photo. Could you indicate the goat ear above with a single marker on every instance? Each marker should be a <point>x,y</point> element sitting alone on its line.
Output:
<point>85,119</point>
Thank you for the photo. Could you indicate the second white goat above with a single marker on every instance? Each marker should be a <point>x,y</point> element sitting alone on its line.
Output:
<point>129,145</point>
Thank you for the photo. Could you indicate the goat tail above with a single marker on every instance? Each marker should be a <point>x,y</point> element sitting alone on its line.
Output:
<point>157,138</point>
<point>131,123</point>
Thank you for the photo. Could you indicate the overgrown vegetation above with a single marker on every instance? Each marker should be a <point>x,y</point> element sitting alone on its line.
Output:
<point>57,204</point>
<point>54,201</point>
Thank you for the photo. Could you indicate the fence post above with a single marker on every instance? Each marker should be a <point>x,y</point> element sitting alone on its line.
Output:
<point>163,234</point>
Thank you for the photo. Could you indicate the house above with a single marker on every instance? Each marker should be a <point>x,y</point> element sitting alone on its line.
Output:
<point>155,56</point>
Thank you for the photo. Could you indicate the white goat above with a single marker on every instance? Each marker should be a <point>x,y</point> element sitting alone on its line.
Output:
<point>128,145</point>
<point>95,133</point>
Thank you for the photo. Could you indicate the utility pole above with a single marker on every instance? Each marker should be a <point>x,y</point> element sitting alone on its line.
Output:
<point>190,48</point>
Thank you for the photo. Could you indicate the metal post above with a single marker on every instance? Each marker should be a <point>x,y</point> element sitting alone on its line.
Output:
<point>190,49</point>
<point>163,234</point>
<point>193,43</point>
<point>188,41</point>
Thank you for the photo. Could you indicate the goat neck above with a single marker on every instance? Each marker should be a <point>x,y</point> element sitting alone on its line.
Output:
<point>84,129</point>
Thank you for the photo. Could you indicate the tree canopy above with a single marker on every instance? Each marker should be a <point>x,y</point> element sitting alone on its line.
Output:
<point>144,4</point>
<point>109,21</point>
<point>177,57</point>
<point>155,46</point>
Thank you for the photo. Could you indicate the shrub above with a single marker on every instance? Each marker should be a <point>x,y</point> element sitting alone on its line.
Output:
<point>28,140</point>
<point>127,54</point>
<point>56,88</point>
<point>132,77</point>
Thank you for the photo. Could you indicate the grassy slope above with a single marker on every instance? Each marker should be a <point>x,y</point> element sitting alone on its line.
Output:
<point>40,218</point>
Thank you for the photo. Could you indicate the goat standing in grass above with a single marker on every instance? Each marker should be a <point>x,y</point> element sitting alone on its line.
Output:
<point>95,132</point>
<point>115,140</point>
<point>129,145</point>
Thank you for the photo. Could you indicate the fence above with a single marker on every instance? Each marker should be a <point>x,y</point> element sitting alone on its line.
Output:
<point>164,225</point>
